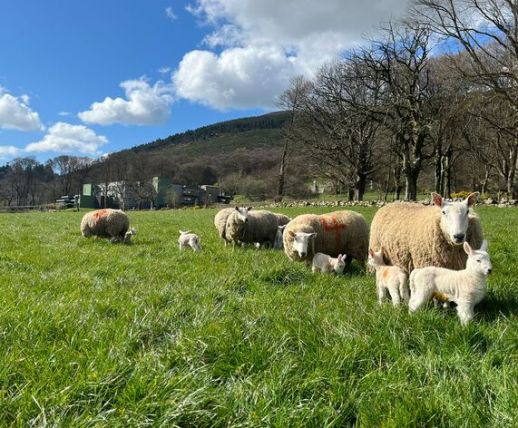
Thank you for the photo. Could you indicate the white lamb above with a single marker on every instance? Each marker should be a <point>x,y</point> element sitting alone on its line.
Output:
<point>389,279</point>
<point>324,263</point>
<point>188,239</point>
<point>465,287</point>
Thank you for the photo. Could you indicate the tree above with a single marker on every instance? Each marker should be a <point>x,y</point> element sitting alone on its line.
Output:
<point>486,32</point>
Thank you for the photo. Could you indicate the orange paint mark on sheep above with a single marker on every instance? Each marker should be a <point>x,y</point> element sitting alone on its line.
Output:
<point>99,214</point>
<point>440,297</point>
<point>385,273</point>
<point>331,224</point>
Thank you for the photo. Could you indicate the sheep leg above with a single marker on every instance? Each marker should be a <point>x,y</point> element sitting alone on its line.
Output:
<point>394,294</point>
<point>404,291</point>
<point>465,313</point>
<point>418,299</point>
<point>382,293</point>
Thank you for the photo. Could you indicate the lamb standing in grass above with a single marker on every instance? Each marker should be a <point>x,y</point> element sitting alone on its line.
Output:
<point>324,263</point>
<point>334,233</point>
<point>188,239</point>
<point>414,236</point>
<point>465,287</point>
<point>107,223</point>
<point>389,279</point>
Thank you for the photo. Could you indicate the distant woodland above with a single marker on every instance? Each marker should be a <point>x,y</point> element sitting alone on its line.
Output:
<point>430,104</point>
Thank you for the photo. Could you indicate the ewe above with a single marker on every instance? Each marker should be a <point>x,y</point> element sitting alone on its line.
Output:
<point>108,223</point>
<point>414,236</point>
<point>465,287</point>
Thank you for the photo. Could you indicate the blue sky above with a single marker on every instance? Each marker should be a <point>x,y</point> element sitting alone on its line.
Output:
<point>93,77</point>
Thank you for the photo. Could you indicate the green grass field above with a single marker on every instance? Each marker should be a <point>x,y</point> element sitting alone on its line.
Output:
<point>97,334</point>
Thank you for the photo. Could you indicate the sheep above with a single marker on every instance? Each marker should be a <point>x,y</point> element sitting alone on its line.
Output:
<point>389,279</point>
<point>260,227</point>
<point>465,287</point>
<point>324,263</point>
<point>220,221</point>
<point>108,223</point>
<point>415,236</point>
<point>235,225</point>
<point>333,233</point>
<point>188,239</point>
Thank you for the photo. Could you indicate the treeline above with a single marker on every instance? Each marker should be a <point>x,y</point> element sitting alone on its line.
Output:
<point>432,103</point>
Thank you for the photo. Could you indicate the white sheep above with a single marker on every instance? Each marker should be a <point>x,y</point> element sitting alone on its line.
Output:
<point>324,263</point>
<point>389,279</point>
<point>234,229</point>
<point>465,287</point>
<point>188,239</point>
<point>332,233</point>
<point>110,223</point>
<point>414,236</point>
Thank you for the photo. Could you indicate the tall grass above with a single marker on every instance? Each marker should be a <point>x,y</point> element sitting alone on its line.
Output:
<point>97,334</point>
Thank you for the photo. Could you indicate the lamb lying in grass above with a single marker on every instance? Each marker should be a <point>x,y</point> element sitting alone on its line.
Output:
<point>465,287</point>
<point>188,239</point>
<point>324,263</point>
<point>391,279</point>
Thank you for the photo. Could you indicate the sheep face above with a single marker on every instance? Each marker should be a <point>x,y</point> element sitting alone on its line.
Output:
<point>129,234</point>
<point>194,243</point>
<point>454,217</point>
<point>375,259</point>
<point>478,260</point>
<point>301,242</point>
<point>242,213</point>
<point>340,264</point>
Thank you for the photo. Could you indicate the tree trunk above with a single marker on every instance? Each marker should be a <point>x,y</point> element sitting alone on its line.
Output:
<point>282,171</point>
<point>439,176</point>
<point>359,188</point>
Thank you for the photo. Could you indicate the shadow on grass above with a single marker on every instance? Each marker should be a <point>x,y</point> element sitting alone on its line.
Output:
<point>493,308</point>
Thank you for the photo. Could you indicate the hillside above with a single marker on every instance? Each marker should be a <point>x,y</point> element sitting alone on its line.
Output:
<point>243,132</point>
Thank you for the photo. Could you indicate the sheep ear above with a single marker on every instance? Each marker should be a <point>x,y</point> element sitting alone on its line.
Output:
<point>291,233</point>
<point>312,235</point>
<point>339,256</point>
<point>437,199</point>
<point>249,208</point>
<point>483,247</point>
<point>472,199</point>
<point>371,252</point>
<point>237,208</point>
<point>467,248</point>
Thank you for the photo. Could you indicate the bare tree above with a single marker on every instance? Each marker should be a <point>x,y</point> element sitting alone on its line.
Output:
<point>487,32</point>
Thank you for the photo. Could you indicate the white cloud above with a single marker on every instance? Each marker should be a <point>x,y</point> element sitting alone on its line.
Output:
<point>9,152</point>
<point>170,13</point>
<point>237,78</point>
<point>164,70</point>
<point>66,138</point>
<point>144,105</point>
<point>15,113</point>
<point>272,40</point>
<point>64,113</point>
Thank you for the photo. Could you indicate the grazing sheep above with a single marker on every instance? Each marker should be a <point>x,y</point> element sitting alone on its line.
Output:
<point>334,233</point>
<point>260,228</point>
<point>188,239</point>
<point>278,237</point>
<point>465,287</point>
<point>389,279</point>
<point>220,221</point>
<point>235,225</point>
<point>324,263</point>
<point>108,223</point>
<point>414,236</point>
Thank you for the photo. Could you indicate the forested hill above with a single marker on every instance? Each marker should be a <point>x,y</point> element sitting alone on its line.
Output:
<point>267,121</point>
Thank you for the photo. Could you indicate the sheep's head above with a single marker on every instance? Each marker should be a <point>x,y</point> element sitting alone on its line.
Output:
<point>128,235</point>
<point>375,259</point>
<point>194,243</point>
<point>242,214</point>
<point>340,263</point>
<point>454,217</point>
<point>478,260</point>
<point>301,241</point>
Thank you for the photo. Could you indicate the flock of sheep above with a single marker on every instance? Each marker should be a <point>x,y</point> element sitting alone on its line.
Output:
<point>441,246</point>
